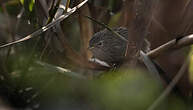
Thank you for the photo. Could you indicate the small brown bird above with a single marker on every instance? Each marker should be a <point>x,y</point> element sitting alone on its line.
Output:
<point>107,47</point>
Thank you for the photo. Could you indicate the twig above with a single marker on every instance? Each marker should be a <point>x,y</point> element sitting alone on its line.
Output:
<point>151,67</point>
<point>45,28</point>
<point>173,44</point>
<point>61,70</point>
<point>170,86</point>
<point>161,49</point>
<point>108,28</point>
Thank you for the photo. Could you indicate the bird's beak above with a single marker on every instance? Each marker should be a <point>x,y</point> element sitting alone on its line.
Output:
<point>90,48</point>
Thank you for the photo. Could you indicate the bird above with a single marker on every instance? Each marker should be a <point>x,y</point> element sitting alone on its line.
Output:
<point>107,47</point>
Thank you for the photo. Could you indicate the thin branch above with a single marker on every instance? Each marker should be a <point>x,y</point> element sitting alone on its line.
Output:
<point>173,44</point>
<point>161,49</point>
<point>108,28</point>
<point>61,70</point>
<point>151,67</point>
<point>45,28</point>
<point>170,86</point>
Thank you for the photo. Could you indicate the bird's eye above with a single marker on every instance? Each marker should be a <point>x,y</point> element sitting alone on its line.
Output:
<point>100,43</point>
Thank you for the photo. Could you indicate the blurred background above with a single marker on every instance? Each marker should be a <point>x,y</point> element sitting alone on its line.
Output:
<point>30,71</point>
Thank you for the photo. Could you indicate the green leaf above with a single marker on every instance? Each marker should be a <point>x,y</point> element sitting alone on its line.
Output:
<point>22,2</point>
<point>31,5</point>
<point>28,4</point>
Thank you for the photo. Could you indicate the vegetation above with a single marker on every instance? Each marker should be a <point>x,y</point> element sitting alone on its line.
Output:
<point>44,56</point>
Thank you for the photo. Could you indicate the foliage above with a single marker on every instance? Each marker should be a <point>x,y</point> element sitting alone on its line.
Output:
<point>49,69</point>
